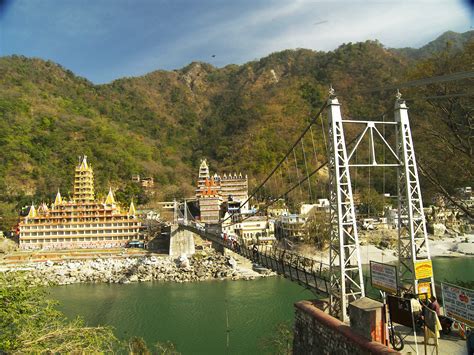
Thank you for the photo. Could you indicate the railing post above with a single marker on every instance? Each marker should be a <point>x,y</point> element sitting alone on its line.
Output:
<point>266,256</point>
<point>282,260</point>
<point>297,264</point>
<point>291,267</point>
<point>305,273</point>
<point>272,259</point>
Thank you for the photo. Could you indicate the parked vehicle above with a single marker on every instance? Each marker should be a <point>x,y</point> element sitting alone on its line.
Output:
<point>135,244</point>
<point>395,338</point>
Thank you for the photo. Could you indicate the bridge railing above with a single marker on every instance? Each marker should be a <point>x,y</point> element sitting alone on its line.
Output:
<point>308,272</point>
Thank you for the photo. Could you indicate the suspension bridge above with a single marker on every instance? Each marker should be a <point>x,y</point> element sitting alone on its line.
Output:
<point>309,273</point>
<point>340,145</point>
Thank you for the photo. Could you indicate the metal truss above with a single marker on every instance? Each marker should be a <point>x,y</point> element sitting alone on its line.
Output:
<point>346,279</point>
<point>373,132</point>
<point>412,235</point>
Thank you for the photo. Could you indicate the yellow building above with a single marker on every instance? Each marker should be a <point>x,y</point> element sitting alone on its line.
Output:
<point>82,222</point>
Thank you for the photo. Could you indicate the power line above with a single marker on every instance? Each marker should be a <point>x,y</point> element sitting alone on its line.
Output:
<point>437,97</point>
<point>425,81</point>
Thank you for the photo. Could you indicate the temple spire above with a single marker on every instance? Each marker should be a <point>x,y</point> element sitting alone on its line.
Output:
<point>110,200</point>
<point>83,165</point>
<point>32,212</point>
<point>131,210</point>
<point>58,200</point>
<point>83,182</point>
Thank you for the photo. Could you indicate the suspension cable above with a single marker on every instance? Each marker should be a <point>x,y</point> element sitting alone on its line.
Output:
<point>306,168</point>
<point>315,171</point>
<point>297,174</point>
<point>323,106</point>
<point>424,81</point>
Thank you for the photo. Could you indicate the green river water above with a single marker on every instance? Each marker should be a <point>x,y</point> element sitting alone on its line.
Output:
<point>193,315</point>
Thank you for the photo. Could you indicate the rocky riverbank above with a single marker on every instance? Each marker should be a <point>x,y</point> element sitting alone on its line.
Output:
<point>138,269</point>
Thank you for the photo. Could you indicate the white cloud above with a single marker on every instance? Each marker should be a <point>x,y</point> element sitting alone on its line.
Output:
<point>281,25</point>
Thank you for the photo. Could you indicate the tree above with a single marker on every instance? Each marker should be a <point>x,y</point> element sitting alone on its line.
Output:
<point>319,229</point>
<point>29,323</point>
<point>371,202</point>
<point>132,191</point>
<point>443,113</point>
<point>280,341</point>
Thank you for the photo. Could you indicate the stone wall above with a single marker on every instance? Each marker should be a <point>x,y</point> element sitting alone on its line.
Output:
<point>316,332</point>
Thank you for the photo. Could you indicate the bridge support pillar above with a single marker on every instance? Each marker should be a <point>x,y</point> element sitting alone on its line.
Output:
<point>181,242</point>
<point>367,319</point>
<point>346,279</point>
<point>412,235</point>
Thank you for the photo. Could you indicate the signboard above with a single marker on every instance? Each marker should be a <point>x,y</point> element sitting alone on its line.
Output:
<point>458,303</point>
<point>423,269</point>
<point>383,276</point>
<point>424,288</point>
<point>400,310</point>
<point>431,319</point>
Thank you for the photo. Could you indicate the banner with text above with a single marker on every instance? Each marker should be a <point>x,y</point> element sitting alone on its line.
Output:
<point>423,269</point>
<point>383,276</point>
<point>458,303</point>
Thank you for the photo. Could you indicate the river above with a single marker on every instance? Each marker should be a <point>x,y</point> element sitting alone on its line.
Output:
<point>193,315</point>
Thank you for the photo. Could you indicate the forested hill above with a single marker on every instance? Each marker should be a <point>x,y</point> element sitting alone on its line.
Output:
<point>240,117</point>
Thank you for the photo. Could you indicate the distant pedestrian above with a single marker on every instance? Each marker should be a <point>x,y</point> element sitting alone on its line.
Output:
<point>255,252</point>
<point>434,305</point>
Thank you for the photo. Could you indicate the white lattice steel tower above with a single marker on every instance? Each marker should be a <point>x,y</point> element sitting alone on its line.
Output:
<point>412,235</point>
<point>346,279</point>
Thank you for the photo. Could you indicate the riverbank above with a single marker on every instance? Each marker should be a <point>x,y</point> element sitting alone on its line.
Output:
<point>381,246</point>
<point>208,265</point>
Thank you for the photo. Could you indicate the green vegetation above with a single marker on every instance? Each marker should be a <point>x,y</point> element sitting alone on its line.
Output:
<point>280,341</point>
<point>137,345</point>
<point>239,117</point>
<point>30,323</point>
<point>319,229</point>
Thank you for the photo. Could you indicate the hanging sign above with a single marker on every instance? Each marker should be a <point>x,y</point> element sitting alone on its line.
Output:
<point>400,310</point>
<point>383,276</point>
<point>423,269</point>
<point>424,290</point>
<point>458,303</point>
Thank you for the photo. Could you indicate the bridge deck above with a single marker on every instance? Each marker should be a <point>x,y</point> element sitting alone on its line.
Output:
<point>309,273</point>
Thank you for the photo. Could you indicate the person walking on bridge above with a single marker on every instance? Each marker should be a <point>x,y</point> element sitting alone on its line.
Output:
<point>255,252</point>
<point>434,305</point>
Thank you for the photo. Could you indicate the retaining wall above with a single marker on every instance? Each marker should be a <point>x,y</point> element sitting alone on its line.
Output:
<point>316,332</point>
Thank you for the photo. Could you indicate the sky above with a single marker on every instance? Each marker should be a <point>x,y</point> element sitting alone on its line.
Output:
<point>103,40</point>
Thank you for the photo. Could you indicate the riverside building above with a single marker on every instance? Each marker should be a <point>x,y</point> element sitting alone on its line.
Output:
<point>213,190</point>
<point>83,222</point>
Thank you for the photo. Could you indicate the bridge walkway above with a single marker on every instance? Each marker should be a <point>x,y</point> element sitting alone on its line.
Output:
<point>309,273</point>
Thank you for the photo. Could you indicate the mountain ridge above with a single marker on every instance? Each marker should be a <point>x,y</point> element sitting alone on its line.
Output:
<point>240,117</point>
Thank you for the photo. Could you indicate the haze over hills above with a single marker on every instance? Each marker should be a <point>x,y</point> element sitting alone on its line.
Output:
<point>240,117</point>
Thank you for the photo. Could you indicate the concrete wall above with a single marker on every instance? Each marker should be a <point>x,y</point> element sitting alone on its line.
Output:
<point>316,332</point>
<point>181,242</point>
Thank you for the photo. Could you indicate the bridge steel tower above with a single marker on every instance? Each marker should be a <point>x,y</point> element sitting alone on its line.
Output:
<point>346,279</point>
<point>412,236</point>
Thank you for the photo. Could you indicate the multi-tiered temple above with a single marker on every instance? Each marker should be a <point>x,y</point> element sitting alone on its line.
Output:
<point>82,222</point>
<point>213,190</point>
